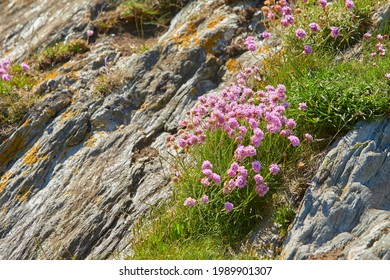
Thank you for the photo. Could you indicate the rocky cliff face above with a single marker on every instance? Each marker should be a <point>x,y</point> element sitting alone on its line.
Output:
<point>345,214</point>
<point>82,168</point>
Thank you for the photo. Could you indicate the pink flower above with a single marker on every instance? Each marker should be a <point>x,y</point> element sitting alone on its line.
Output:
<point>2,71</point>
<point>205,199</point>
<point>266,35</point>
<point>261,189</point>
<point>289,19</point>
<point>323,3</point>
<point>335,32</point>
<point>229,206</point>
<point>208,173</point>
<point>6,77</point>
<point>231,173</point>
<point>256,166</point>
<point>300,33</point>
<point>307,49</point>
<point>89,33</point>
<point>205,182</point>
<point>206,165</point>
<point>270,15</point>
<point>240,181</point>
<point>291,123</point>
<point>314,27</point>
<point>250,43</point>
<point>285,132</point>
<point>294,140</point>
<point>308,137</point>
<point>25,67</point>
<point>274,169</point>
<point>258,179</point>
<point>349,4</point>
<point>216,178</point>
<point>189,202</point>
<point>367,35</point>
<point>379,37</point>
<point>284,22</point>
<point>302,106</point>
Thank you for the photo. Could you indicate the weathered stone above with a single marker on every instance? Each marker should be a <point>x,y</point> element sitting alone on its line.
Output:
<point>81,170</point>
<point>345,214</point>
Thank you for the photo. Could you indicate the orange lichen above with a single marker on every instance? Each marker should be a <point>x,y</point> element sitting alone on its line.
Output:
<point>26,123</point>
<point>50,112</point>
<point>68,114</point>
<point>209,43</point>
<point>215,21</point>
<point>50,76</point>
<point>90,142</point>
<point>232,65</point>
<point>32,156</point>
<point>4,180</point>
<point>189,34</point>
<point>15,146</point>
<point>23,194</point>
<point>263,49</point>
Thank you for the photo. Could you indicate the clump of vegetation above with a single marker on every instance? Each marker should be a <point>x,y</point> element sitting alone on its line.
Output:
<point>60,53</point>
<point>105,84</point>
<point>146,16</point>
<point>236,150</point>
<point>16,82</point>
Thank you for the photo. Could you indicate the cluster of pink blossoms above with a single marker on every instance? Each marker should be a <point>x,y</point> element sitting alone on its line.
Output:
<point>246,116</point>
<point>380,49</point>
<point>4,69</point>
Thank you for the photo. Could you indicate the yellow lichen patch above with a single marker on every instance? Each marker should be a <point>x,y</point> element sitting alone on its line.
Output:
<point>12,149</point>
<point>232,65</point>
<point>4,180</point>
<point>263,49</point>
<point>23,194</point>
<point>26,123</point>
<point>50,76</point>
<point>215,21</point>
<point>208,44</point>
<point>189,34</point>
<point>4,210</point>
<point>90,142</point>
<point>32,156</point>
<point>67,115</point>
<point>94,137</point>
<point>50,112</point>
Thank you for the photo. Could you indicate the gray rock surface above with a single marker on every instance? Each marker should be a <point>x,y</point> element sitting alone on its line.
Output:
<point>82,168</point>
<point>345,214</point>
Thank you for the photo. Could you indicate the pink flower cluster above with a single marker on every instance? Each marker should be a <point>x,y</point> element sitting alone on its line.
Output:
<point>5,67</point>
<point>210,175</point>
<point>250,43</point>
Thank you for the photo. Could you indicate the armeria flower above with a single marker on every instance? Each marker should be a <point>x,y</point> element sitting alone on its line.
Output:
<point>307,49</point>
<point>286,10</point>
<point>302,106</point>
<point>266,35</point>
<point>241,181</point>
<point>216,178</point>
<point>189,202</point>
<point>25,67</point>
<point>208,173</point>
<point>205,182</point>
<point>285,132</point>
<point>206,165</point>
<point>308,137</point>
<point>270,15</point>
<point>289,19</point>
<point>6,77</point>
<point>349,4</point>
<point>284,22</point>
<point>231,173</point>
<point>261,189</point>
<point>205,199</point>
<point>229,206</point>
<point>294,140</point>
<point>2,71</point>
<point>379,37</point>
<point>256,166</point>
<point>274,169</point>
<point>250,43</point>
<point>315,27</point>
<point>387,75</point>
<point>323,4</point>
<point>89,33</point>
<point>300,33</point>
<point>367,35</point>
<point>291,123</point>
<point>258,179</point>
<point>335,32</point>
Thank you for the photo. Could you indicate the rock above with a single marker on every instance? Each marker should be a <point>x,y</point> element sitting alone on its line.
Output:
<point>345,214</point>
<point>79,172</point>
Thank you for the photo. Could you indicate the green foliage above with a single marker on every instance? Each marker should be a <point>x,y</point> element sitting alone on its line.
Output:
<point>60,53</point>
<point>15,98</point>
<point>283,216</point>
